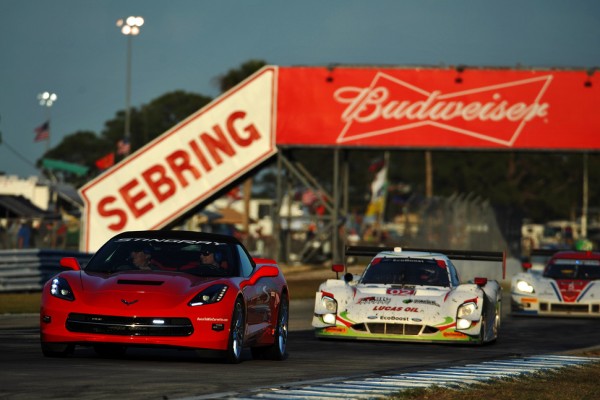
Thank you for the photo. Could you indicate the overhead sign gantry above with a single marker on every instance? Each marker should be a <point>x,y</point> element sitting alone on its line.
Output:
<point>340,107</point>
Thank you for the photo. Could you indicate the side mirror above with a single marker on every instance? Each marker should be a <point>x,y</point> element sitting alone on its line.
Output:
<point>348,277</point>
<point>526,265</point>
<point>480,281</point>
<point>70,263</point>
<point>337,268</point>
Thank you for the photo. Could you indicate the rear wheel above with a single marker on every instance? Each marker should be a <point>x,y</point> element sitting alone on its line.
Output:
<point>498,319</point>
<point>276,351</point>
<point>57,349</point>
<point>235,346</point>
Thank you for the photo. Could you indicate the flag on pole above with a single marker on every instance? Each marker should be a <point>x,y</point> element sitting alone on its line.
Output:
<point>378,190</point>
<point>123,147</point>
<point>106,162</point>
<point>42,132</point>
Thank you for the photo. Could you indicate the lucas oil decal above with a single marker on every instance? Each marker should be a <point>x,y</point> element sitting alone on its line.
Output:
<point>396,308</point>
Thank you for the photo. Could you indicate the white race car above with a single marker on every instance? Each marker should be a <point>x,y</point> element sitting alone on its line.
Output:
<point>568,286</point>
<point>409,295</point>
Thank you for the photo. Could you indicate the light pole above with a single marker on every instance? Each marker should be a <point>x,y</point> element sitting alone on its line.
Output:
<point>47,99</point>
<point>129,27</point>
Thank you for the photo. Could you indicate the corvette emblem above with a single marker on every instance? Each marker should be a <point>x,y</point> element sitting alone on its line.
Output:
<point>128,303</point>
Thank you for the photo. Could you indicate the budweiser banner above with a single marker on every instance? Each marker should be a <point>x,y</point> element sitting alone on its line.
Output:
<point>438,108</point>
<point>185,165</point>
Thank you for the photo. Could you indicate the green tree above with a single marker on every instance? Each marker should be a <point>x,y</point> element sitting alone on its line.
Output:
<point>151,120</point>
<point>70,150</point>
<point>236,75</point>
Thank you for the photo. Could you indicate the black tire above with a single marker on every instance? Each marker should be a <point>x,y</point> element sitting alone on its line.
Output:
<point>57,349</point>
<point>233,354</point>
<point>107,350</point>
<point>481,339</point>
<point>498,320</point>
<point>277,351</point>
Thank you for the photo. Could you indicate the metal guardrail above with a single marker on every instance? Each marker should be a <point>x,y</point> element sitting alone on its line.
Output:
<point>28,269</point>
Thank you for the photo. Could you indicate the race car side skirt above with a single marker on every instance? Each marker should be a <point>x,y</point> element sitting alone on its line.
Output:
<point>348,334</point>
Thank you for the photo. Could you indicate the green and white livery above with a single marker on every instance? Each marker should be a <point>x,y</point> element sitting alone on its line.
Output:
<point>410,295</point>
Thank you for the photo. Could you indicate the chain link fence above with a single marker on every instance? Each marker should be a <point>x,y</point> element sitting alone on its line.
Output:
<point>460,222</point>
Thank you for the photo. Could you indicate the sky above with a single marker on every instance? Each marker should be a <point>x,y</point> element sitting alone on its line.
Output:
<point>74,49</point>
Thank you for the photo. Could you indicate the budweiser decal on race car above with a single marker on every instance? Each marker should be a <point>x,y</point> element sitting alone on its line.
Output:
<point>390,105</point>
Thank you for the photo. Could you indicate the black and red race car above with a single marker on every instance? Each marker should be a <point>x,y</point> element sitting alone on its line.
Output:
<point>175,299</point>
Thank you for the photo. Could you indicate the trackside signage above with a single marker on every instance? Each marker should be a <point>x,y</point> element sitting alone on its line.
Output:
<point>185,165</point>
<point>438,108</point>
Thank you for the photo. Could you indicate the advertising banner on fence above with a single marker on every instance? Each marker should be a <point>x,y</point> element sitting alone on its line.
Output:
<point>444,108</point>
<point>185,165</point>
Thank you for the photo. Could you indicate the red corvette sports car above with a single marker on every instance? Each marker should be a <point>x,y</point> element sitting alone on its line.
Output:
<point>167,288</point>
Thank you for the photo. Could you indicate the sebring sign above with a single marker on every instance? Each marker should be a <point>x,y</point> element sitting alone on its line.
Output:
<point>185,165</point>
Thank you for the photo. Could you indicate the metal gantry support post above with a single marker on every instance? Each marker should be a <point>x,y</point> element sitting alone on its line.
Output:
<point>328,231</point>
<point>336,201</point>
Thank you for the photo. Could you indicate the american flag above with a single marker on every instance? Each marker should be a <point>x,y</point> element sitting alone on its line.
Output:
<point>42,132</point>
<point>123,147</point>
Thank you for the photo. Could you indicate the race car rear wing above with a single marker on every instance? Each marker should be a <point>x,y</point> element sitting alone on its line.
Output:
<point>545,252</point>
<point>470,255</point>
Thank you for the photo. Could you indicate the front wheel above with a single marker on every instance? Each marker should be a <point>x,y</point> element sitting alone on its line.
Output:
<point>498,319</point>
<point>483,324</point>
<point>233,353</point>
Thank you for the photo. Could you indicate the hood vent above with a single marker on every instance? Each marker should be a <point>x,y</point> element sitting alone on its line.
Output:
<point>139,282</point>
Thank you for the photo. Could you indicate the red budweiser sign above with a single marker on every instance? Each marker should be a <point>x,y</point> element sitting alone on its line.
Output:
<point>478,108</point>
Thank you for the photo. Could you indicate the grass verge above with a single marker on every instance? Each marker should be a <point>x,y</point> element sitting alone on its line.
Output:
<point>20,303</point>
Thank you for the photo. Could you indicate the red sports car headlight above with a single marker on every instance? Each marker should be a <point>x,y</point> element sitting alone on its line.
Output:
<point>60,288</point>
<point>210,295</point>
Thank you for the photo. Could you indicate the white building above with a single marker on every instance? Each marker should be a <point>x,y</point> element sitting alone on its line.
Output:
<point>31,188</point>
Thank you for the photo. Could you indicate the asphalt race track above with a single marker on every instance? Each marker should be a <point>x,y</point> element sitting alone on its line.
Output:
<point>176,374</point>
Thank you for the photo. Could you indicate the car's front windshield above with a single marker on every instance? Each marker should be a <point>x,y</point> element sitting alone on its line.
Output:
<point>405,271</point>
<point>199,258</point>
<point>573,269</point>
